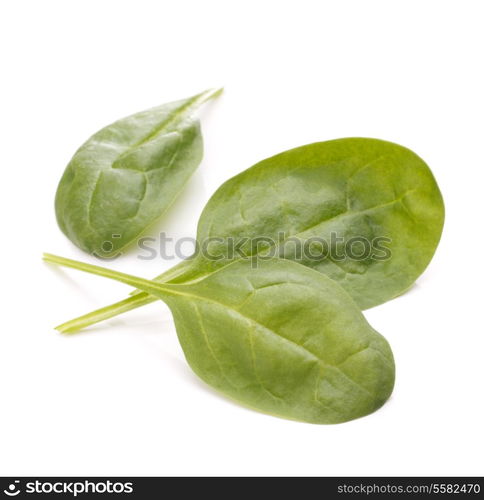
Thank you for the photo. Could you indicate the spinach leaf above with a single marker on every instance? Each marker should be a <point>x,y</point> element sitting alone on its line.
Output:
<point>354,188</point>
<point>348,190</point>
<point>126,175</point>
<point>279,338</point>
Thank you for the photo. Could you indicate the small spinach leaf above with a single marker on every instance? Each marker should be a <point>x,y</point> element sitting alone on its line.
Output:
<point>279,338</point>
<point>126,175</point>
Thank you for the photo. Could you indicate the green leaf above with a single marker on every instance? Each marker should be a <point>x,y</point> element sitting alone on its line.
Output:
<point>126,175</point>
<point>354,188</point>
<point>350,188</point>
<point>279,338</point>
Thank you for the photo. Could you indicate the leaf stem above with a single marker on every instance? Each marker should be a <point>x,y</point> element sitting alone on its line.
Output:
<point>128,279</point>
<point>148,286</point>
<point>104,313</point>
<point>208,94</point>
<point>137,299</point>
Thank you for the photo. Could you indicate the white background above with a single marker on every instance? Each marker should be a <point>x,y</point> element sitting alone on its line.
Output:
<point>121,399</point>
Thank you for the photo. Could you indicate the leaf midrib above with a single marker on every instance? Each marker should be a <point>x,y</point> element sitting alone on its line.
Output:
<point>342,215</point>
<point>190,103</point>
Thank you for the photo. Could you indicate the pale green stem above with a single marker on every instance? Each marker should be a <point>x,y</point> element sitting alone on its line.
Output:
<point>209,94</point>
<point>137,299</point>
<point>81,322</point>
<point>148,286</point>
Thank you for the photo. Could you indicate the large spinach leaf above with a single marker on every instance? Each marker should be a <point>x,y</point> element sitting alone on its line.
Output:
<point>280,338</point>
<point>358,189</point>
<point>344,190</point>
<point>127,174</point>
